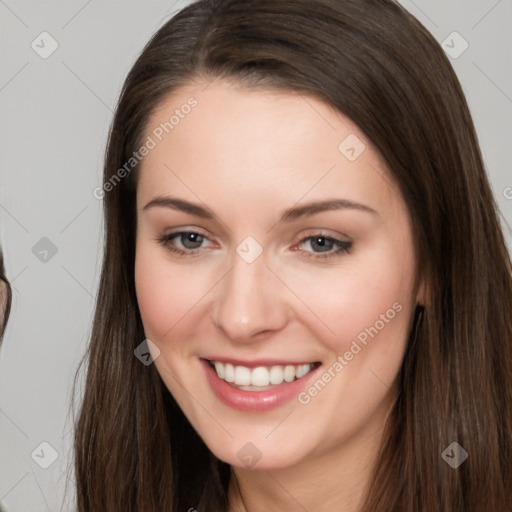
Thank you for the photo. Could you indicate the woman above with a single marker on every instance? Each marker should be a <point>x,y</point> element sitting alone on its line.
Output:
<point>301,237</point>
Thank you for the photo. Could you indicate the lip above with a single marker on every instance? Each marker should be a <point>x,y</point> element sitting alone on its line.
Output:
<point>255,401</point>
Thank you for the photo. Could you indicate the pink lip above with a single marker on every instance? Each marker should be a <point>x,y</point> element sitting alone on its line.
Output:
<point>255,401</point>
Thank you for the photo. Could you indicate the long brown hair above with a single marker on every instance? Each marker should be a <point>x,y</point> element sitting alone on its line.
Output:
<point>375,63</point>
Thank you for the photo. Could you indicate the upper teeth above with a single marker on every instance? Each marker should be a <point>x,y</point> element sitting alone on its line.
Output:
<point>261,375</point>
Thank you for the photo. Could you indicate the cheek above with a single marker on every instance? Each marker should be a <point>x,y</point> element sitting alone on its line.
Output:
<point>166,296</point>
<point>359,302</point>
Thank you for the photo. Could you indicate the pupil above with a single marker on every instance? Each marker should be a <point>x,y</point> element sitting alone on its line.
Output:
<point>322,243</point>
<point>191,240</point>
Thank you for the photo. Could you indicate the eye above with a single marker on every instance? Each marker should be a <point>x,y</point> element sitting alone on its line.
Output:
<point>319,245</point>
<point>183,242</point>
<point>323,246</point>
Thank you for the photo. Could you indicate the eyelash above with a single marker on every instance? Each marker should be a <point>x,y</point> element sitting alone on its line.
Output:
<point>343,247</point>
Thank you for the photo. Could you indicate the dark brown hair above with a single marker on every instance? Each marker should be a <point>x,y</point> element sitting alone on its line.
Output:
<point>5,297</point>
<point>375,63</point>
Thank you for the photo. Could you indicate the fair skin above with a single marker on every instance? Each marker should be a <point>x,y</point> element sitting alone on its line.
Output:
<point>246,156</point>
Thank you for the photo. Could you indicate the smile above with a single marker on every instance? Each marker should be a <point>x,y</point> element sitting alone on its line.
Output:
<point>255,379</point>
<point>258,386</point>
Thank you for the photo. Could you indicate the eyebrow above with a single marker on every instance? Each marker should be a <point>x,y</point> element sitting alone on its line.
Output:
<point>322,206</point>
<point>180,204</point>
<point>287,216</point>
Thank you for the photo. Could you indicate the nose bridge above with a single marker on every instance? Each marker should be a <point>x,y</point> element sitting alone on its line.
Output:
<point>248,302</point>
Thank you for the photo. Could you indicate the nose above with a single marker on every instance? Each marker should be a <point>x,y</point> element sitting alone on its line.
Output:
<point>250,302</point>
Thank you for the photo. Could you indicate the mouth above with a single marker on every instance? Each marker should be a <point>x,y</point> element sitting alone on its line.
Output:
<point>260,378</point>
<point>258,386</point>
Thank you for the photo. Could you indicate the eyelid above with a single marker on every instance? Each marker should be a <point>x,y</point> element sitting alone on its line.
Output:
<point>166,238</point>
<point>186,229</point>
<point>341,247</point>
<point>327,233</point>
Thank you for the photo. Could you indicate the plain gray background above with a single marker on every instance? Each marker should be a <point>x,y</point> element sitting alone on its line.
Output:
<point>55,115</point>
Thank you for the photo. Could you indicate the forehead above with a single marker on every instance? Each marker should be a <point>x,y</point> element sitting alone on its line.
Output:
<point>223,141</point>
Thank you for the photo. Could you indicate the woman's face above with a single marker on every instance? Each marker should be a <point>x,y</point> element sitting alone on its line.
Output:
<point>273,244</point>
